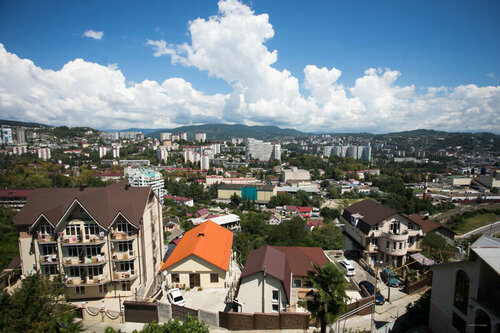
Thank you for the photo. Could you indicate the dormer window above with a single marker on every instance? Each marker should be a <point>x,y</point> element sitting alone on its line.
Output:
<point>46,229</point>
<point>375,228</point>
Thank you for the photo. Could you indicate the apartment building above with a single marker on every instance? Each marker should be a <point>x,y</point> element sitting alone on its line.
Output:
<point>262,151</point>
<point>144,177</point>
<point>106,242</point>
<point>380,233</point>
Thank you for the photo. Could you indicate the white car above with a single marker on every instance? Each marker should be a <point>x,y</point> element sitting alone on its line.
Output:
<point>175,297</point>
<point>347,267</point>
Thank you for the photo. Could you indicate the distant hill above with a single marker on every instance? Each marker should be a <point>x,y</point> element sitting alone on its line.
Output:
<point>22,123</point>
<point>225,132</point>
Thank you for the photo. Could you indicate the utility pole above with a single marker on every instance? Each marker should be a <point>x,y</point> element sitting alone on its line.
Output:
<point>376,263</point>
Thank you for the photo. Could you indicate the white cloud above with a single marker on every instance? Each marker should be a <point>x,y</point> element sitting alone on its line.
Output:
<point>492,75</point>
<point>93,34</point>
<point>231,46</point>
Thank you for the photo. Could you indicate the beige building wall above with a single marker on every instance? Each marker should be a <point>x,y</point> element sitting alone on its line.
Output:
<point>265,195</point>
<point>227,193</point>
<point>195,265</point>
<point>253,293</point>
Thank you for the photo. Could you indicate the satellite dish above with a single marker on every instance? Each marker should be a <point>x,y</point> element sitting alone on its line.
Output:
<point>165,272</point>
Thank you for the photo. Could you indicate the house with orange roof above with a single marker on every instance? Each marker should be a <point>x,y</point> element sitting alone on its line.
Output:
<point>201,258</point>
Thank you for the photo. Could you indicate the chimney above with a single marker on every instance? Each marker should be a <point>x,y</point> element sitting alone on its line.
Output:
<point>83,186</point>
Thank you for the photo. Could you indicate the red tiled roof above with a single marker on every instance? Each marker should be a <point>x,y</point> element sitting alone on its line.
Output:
<point>208,241</point>
<point>176,198</point>
<point>300,258</point>
<point>426,224</point>
<point>305,209</point>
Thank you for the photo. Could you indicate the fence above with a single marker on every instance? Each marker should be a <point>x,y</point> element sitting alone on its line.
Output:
<point>140,312</point>
<point>88,313</point>
<point>412,287</point>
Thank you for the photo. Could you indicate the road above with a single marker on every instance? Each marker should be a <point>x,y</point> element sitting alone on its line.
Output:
<point>445,216</point>
<point>490,229</point>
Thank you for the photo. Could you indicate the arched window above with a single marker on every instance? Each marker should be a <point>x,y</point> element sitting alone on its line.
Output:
<point>461,298</point>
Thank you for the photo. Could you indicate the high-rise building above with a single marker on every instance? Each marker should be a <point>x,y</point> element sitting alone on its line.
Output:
<point>327,151</point>
<point>20,136</point>
<point>102,151</point>
<point>201,137</point>
<point>205,162</point>
<point>109,136</point>
<point>43,153</point>
<point>165,136</point>
<point>7,136</point>
<point>262,151</point>
<point>183,136</point>
<point>352,151</point>
<point>115,151</point>
<point>19,150</point>
<point>162,154</point>
<point>367,153</point>
<point>142,177</point>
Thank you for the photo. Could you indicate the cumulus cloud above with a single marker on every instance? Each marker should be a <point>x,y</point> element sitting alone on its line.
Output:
<point>93,34</point>
<point>231,45</point>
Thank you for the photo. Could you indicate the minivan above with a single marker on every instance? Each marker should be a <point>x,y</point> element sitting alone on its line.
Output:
<point>347,267</point>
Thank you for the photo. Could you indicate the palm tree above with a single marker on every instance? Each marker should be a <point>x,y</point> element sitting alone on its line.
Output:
<point>328,301</point>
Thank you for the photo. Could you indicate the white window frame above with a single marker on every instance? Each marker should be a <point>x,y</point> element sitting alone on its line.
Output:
<point>52,269</point>
<point>123,226</point>
<point>72,230</point>
<point>48,249</point>
<point>46,229</point>
<point>91,229</point>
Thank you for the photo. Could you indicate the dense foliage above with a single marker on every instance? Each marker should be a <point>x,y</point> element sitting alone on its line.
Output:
<point>38,305</point>
<point>9,248</point>
<point>436,248</point>
<point>190,325</point>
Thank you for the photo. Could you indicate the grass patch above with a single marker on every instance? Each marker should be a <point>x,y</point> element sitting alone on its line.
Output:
<point>470,223</point>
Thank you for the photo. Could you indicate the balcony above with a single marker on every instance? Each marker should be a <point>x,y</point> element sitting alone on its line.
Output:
<point>44,238</point>
<point>49,259</point>
<point>79,239</point>
<point>92,261</point>
<point>401,237</point>
<point>120,236</point>
<point>124,276</point>
<point>68,240</point>
<point>123,256</point>
<point>86,281</point>
<point>94,239</point>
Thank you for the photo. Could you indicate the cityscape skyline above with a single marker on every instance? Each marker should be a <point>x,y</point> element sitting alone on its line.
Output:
<point>385,68</point>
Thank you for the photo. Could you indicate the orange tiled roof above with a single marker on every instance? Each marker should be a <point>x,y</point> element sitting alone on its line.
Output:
<point>208,241</point>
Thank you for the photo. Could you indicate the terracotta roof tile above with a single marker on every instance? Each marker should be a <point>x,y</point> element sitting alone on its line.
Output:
<point>208,241</point>
<point>373,213</point>
<point>426,224</point>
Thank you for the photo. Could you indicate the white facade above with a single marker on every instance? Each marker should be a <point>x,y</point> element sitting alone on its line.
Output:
<point>7,136</point>
<point>116,151</point>
<point>142,177</point>
<point>19,150</point>
<point>205,162</point>
<point>262,151</point>
<point>165,136</point>
<point>20,136</point>
<point>162,154</point>
<point>201,137</point>
<point>102,152</point>
<point>43,153</point>
<point>295,174</point>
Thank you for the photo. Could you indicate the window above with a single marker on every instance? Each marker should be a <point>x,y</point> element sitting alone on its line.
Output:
<point>80,290</point>
<point>276,308</point>
<point>95,270</point>
<point>91,229</point>
<point>374,241</point>
<point>404,244</point>
<point>47,249</point>
<point>394,246</point>
<point>410,226</point>
<point>387,245</point>
<point>214,278</point>
<point>458,323</point>
<point>276,295</point>
<point>124,246</point>
<point>175,278</point>
<point>395,227</point>
<point>46,229</point>
<point>126,266</point>
<point>72,230</point>
<point>126,285</point>
<point>75,271</point>
<point>122,226</point>
<point>297,283</point>
<point>50,269</point>
<point>74,251</point>
<point>410,241</point>
<point>461,299</point>
<point>103,289</point>
<point>400,246</point>
<point>375,228</point>
<point>93,250</point>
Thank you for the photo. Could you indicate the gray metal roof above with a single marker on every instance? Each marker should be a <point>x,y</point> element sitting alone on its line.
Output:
<point>488,249</point>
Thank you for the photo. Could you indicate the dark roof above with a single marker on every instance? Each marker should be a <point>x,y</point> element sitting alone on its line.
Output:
<point>426,224</point>
<point>373,213</point>
<point>300,258</point>
<point>14,263</point>
<point>274,261</point>
<point>15,193</point>
<point>102,203</point>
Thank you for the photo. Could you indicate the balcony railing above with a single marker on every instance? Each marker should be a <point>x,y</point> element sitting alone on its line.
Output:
<point>87,281</point>
<point>124,276</point>
<point>121,236</point>
<point>79,239</point>
<point>129,255</point>
<point>44,238</point>
<point>395,237</point>
<point>92,261</point>
<point>49,259</point>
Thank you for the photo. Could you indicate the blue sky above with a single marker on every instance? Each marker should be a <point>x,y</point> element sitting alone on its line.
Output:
<point>413,48</point>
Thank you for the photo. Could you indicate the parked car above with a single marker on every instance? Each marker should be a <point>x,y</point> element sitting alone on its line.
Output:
<point>390,278</point>
<point>379,299</point>
<point>347,267</point>
<point>175,297</point>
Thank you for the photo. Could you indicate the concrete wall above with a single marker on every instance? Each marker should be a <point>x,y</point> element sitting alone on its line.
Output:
<point>252,293</point>
<point>194,264</point>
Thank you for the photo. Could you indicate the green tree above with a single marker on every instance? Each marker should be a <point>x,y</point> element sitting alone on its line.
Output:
<point>328,301</point>
<point>436,248</point>
<point>9,247</point>
<point>329,237</point>
<point>36,306</point>
<point>190,325</point>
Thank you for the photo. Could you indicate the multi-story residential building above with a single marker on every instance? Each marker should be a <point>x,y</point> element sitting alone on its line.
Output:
<point>19,150</point>
<point>262,151</point>
<point>205,162</point>
<point>109,136</point>
<point>7,136</point>
<point>201,137</point>
<point>105,241</point>
<point>380,233</point>
<point>43,153</point>
<point>165,136</point>
<point>20,136</point>
<point>102,151</point>
<point>295,174</point>
<point>465,294</point>
<point>143,177</point>
<point>183,136</point>
<point>162,154</point>
<point>115,150</point>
